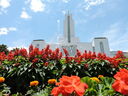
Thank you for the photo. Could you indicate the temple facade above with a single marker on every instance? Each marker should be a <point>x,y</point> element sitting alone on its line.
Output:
<point>71,42</point>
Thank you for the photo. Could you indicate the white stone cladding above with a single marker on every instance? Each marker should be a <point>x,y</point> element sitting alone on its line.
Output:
<point>39,43</point>
<point>101,45</point>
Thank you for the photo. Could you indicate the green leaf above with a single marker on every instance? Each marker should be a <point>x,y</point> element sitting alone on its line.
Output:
<point>0,93</point>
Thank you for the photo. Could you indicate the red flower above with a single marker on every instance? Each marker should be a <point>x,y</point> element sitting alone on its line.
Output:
<point>93,55</point>
<point>46,64</point>
<point>34,53</point>
<point>60,55</point>
<point>113,61</point>
<point>78,53</point>
<point>69,59</point>
<point>10,56</point>
<point>65,52</point>
<point>119,54</point>
<point>35,60</point>
<point>47,49</point>
<point>44,57</point>
<point>69,85</point>
<point>23,52</point>
<point>121,82</point>
<point>2,56</point>
<point>16,52</point>
<point>78,59</point>
<point>86,65</point>
<point>30,48</point>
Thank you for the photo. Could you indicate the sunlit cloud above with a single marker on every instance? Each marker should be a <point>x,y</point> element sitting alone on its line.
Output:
<point>4,4</point>
<point>5,31</point>
<point>36,5</point>
<point>66,1</point>
<point>90,3</point>
<point>25,15</point>
<point>64,12</point>
<point>14,47</point>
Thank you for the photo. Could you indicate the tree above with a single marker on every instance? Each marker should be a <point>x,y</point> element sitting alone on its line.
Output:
<point>3,48</point>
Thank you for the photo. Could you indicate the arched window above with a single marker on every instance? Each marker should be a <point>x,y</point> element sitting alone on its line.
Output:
<point>37,45</point>
<point>101,47</point>
<point>71,49</point>
<point>93,49</point>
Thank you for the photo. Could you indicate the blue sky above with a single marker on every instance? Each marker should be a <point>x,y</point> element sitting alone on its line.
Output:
<point>22,21</point>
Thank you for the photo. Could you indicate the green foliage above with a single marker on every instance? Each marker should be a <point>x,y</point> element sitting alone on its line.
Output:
<point>20,71</point>
<point>45,92</point>
<point>4,89</point>
<point>124,64</point>
<point>102,88</point>
<point>72,68</point>
<point>98,67</point>
<point>19,77</point>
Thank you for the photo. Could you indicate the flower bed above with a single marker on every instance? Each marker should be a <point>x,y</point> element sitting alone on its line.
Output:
<point>38,73</point>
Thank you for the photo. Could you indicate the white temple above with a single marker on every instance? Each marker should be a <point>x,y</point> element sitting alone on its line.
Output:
<point>71,42</point>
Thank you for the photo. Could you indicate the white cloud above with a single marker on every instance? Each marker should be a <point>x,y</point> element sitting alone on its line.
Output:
<point>64,12</point>
<point>90,3</point>
<point>65,1</point>
<point>4,4</point>
<point>12,29</point>
<point>5,31</point>
<point>36,5</point>
<point>52,1</point>
<point>25,15</point>
<point>58,21</point>
<point>22,46</point>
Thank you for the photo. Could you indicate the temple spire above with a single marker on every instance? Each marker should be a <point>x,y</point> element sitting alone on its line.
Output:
<point>69,28</point>
<point>68,33</point>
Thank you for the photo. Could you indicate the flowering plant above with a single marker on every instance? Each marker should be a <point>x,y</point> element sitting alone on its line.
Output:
<point>102,88</point>
<point>121,82</point>
<point>69,85</point>
<point>51,81</point>
<point>2,79</point>
<point>34,83</point>
<point>22,66</point>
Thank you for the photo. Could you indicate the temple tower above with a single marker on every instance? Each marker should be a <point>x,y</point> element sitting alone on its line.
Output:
<point>68,33</point>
